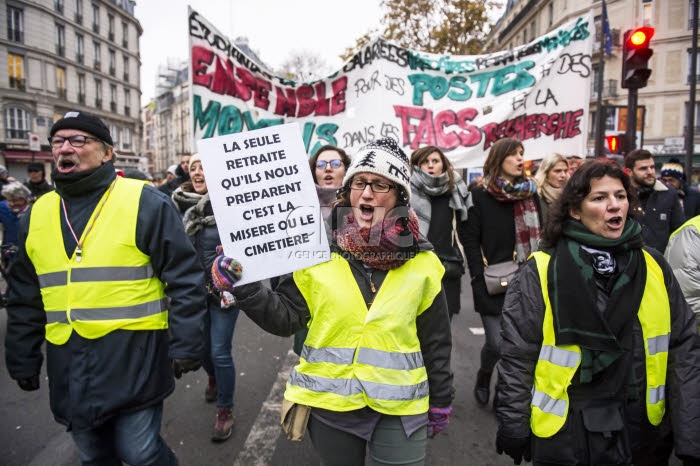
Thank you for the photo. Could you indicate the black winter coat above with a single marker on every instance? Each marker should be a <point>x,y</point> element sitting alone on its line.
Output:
<point>491,228</point>
<point>596,440</point>
<point>92,380</point>
<point>661,215</point>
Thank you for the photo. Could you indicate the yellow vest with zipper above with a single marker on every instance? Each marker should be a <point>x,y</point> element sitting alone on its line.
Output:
<point>354,356</point>
<point>558,364</point>
<point>112,287</point>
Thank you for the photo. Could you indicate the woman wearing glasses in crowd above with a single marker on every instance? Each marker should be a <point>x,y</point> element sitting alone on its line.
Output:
<point>375,367</point>
<point>441,200</point>
<point>328,167</point>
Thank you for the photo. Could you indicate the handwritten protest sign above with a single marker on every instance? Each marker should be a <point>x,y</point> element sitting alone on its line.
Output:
<point>537,92</point>
<point>264,200</point>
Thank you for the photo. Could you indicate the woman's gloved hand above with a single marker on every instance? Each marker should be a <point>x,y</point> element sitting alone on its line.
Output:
<point>438,418</point>
<point>517,448</point>
<point>225,272</point>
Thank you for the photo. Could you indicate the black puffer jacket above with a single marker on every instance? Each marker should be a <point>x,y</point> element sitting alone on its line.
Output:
<point>124,371</point>
<point>523,314</point>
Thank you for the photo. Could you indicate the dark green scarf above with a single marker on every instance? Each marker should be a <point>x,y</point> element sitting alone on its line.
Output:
<point>573,290</point>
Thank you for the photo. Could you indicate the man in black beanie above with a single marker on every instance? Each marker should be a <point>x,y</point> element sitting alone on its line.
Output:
<point>37,183</point>
<point>96,259</point>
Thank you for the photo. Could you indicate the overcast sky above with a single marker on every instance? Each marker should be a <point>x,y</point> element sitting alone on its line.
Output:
<point>274,28</point>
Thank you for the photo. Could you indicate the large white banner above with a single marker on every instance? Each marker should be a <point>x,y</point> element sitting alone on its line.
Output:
<point>538,93</point>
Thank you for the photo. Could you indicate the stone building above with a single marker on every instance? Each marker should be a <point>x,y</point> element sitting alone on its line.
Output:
<point>61,55</point>
<point>666,98</point>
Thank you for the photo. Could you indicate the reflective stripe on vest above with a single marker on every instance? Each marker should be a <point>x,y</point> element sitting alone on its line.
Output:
<point>376,359</point>
<point>112,287</point>
<point>557,365</point>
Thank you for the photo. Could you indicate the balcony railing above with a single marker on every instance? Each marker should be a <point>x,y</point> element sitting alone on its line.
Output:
<point>113,106</point>
<point>125,43</point>
<point>95,28</point>
<point>15,35</point>
<point>62,93</point>
<point>126,77</point>
<point>78,18</point>
<point>98,103</point>
<point>60,50</point>
<point>111,36</point>
<point>97,65</point>
<point>609,89</point>
<point>112,70</point>
<point>79,57</point>
<point>127,110</point>
<point>16,133</point>
<point>81,99</point>
<point>18,83</point>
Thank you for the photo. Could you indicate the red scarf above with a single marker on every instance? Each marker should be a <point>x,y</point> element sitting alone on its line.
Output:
<point>385,246</point>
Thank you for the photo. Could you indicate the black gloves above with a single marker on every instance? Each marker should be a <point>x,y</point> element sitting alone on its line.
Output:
<point>516,448</point>
<point>29,384</point>
<point>180,366</point>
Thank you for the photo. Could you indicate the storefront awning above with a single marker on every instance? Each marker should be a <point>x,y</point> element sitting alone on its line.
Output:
<point>26,156</point>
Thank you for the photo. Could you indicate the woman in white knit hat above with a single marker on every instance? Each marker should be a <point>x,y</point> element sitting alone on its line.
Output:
<point>374,371</point>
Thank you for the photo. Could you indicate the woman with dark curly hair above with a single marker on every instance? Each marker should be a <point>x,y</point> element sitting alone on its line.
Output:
<point>599,354</point>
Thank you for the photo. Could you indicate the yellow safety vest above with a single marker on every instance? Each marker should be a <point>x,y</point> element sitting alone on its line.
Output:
<point>557,364</point>
<point>693,222</point>
<point>354,356</point>
<point>112,286</point>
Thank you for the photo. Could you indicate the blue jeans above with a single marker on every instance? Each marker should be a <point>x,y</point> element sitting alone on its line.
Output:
<point>131,438</point>
<point>219,326</point>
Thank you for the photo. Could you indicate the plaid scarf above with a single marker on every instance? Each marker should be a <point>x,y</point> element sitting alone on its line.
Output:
<point>527,219</point>
<point>385,246</point>
<point>575,279</point>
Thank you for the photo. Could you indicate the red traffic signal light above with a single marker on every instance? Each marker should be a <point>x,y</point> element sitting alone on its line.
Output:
<point>640,37</point>
<point>635,57</point>
<point>616,143</point>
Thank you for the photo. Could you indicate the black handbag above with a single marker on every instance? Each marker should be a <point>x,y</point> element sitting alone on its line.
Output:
<point>497,276</point>
<point>453,263</point>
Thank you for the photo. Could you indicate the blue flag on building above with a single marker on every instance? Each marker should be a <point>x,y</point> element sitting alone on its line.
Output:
<point>606,31</point>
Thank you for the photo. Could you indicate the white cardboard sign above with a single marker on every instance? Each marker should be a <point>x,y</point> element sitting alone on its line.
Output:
<point>264,200</point>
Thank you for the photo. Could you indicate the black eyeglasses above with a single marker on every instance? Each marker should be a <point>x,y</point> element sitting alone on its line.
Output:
<point>376,186</point>
<point>77,140</point>
<point>335,163</point>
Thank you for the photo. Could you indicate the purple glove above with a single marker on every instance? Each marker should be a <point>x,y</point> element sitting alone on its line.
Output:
<point>438,418</point>
<point>225,272</point>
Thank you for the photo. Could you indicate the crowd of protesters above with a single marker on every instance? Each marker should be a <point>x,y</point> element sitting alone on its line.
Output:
<point>588,330</point>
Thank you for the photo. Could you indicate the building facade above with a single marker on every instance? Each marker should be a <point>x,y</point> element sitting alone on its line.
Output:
<point>661,127</point>
<point>61,55</point>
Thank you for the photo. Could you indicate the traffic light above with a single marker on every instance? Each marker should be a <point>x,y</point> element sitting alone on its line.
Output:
<point>616,143</point>
<point>635,57</point>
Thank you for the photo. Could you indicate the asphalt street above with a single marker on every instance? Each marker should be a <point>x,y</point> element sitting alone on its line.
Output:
<point>31,437</point>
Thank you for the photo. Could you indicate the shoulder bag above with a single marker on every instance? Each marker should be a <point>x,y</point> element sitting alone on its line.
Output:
<point>497,276</point>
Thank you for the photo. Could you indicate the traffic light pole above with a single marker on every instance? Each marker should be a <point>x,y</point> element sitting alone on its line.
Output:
<point>630,134</point>
<point>690,117</point>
